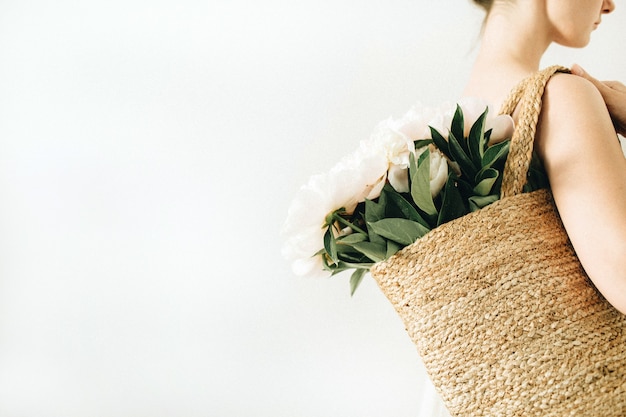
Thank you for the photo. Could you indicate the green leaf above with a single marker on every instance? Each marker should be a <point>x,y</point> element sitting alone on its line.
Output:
<point>478,202</point>
<point>441,143</point>
<point>420,183</point>
<point>486,179</point>
<point>476,140</point>
<point>392,248</point>
<point>373,213</point>
<point>423,157</point>
<point>334,268</point>
<point>373,251</point>
<point>402,231</point>
<point>465,187</point>
<point>452,205</point>
<point>355,280</point>
<point>361,263</point>
<point>487,137</point>
<point>330,244</point>
<point>495,153</point>
<point>463,159</point>
<point>351,239</point>
<point>349,254</point>
<point>421,143</point>
<point>398,206</point>
<point>340,217</point>
<point>457,127</point>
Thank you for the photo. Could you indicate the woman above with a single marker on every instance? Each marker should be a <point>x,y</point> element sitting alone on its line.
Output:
<point>576,134</point>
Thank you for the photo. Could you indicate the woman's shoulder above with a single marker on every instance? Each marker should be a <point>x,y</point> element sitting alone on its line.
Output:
<point>573,109</point>
<point>570,92</point>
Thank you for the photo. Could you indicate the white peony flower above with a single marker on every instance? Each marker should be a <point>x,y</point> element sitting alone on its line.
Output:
<point>440,118</point>
<point>355,178</point>
<point>415,123</point>
<point>358,176</point>
<point>438,171</point>
<point>398,177</point>
<point>396,147</point>
<point>438,168</point>
<point>503,127</point>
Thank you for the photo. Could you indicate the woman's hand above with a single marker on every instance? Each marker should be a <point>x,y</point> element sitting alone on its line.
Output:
<point>614,94</point>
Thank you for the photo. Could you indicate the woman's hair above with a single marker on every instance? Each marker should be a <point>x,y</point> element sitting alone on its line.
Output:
<point>485,4</point>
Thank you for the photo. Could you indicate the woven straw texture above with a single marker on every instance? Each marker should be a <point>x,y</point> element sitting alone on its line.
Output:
<point>501,311</point>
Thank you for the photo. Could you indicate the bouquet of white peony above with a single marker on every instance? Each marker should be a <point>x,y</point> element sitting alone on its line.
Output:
<point>429,167</point>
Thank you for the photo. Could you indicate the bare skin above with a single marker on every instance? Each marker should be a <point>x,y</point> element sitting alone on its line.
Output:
<point>614,95</point>
<point>576,137</point>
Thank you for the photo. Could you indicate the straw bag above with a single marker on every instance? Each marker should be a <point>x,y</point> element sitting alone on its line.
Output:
<point>501,311</point>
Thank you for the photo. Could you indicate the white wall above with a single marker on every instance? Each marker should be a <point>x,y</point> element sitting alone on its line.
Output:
<point>148,153</point>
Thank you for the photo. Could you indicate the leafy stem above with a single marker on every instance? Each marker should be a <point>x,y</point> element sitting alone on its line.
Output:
<point>337,217</point>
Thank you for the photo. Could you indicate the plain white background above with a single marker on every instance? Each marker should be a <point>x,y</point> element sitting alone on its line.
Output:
<point>148,153</point>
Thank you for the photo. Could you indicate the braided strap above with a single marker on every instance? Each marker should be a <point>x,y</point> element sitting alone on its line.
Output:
<point>529,92</point>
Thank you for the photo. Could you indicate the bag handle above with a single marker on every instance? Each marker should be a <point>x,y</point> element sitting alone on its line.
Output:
<point>528,93</point>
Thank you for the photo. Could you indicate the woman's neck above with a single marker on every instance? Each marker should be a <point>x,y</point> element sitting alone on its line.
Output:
<point>513,43</point>
<point>516,36</point>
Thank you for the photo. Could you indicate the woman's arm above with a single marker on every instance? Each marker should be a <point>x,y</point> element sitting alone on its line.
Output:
<point>587,170</point>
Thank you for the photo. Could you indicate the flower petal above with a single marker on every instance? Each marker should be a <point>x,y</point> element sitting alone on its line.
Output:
<point>398,177</point>
<point>438,172</point>
<point>503,127</point>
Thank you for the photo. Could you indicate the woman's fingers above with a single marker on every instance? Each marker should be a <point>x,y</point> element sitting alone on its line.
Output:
<point>578,70</point>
